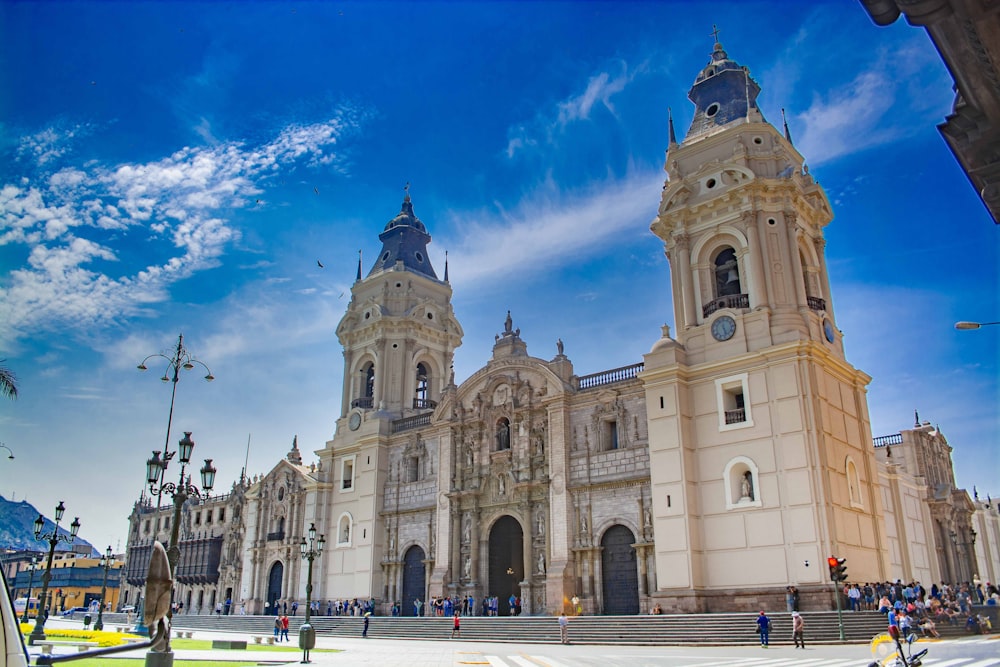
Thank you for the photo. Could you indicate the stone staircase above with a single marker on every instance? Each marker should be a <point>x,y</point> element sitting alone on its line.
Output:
<point>671,629</point>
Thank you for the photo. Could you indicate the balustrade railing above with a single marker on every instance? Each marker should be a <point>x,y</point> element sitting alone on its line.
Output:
<point>816,303</point>
<point>609,377</point>
<point>734,301</point>
<point>406,423</point>
<point>894,439</point>
<point>365,402</point>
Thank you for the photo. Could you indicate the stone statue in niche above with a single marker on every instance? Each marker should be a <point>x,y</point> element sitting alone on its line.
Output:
<point>467,567</point>
<point>503,435</point>
<point>501,485</point>
<point>746,486</point>
<point>540,524</point>
<point>541,563</point>
<point>583,525</point>
<point>466,529</point>
<point>647,517</point>
<point>470,457</point>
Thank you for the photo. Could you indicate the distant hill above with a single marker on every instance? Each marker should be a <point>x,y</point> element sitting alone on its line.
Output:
<point>17,529</point>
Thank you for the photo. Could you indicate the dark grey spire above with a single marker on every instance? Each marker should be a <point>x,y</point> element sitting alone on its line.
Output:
<point>723,93</point>
<point>788,135</point>
<point>404,242</point>
<point>670,123</point>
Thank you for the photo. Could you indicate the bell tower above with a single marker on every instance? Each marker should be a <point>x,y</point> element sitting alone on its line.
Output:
<point>759,426</point>
<point>399,336</point>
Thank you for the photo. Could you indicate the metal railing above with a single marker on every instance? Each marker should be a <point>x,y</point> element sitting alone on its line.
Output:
<point>365,402</point>
<point>276,536</point>
<point>815,303</point>
<point>737,416</point>
<point>424,404</point>
<point>734,301</point>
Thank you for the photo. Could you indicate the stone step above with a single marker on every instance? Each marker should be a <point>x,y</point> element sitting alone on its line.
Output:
<point>735,629</point>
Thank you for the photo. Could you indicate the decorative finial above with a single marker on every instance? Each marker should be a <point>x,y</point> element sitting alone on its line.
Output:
<point>670,123</point>
<point>788,136</point>
<point>715,33</point>
<point>446,266</point>
<point>975,493</point>
<point>406,189</point>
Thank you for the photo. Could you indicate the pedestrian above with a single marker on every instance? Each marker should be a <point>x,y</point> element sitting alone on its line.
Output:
<point>456,630</point>
<point>284,627</point>
<point>797,627</point>
<point>277,628</point>
<point>763,627</point>
<point>563,628</point>
<point>364,631</point>
<point>295,608</point>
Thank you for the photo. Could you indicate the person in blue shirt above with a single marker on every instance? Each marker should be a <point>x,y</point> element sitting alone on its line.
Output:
<point>763,627</point>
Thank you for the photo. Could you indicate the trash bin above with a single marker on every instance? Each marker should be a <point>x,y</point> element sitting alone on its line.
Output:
<point>307,637</point>
<point>86,621</point>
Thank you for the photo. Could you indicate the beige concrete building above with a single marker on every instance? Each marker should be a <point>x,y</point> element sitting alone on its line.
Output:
<point>727,464</point>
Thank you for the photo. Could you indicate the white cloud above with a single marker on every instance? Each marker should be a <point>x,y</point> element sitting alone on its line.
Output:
<point>528,239</point>
<point>183,196</point>
<point>860,114</point>
<point>548,124</point>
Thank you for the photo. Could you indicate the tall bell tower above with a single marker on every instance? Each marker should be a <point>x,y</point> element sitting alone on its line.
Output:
<point>399,336</point>
<point>761,451</point>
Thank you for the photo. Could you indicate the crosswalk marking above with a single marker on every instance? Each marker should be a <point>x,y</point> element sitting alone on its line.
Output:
<point>525,660</point>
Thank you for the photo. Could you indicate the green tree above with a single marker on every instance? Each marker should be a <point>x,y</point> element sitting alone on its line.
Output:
<point>8,382</point>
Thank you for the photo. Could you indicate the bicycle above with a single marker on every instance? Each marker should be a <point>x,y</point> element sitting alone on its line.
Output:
<point>888,652</point>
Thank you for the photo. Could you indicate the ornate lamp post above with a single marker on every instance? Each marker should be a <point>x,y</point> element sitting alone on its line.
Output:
<point>53,538</point>
<point>310,551</point>
<point>179,358</point>
<point>106,564</point>
<point>32,566</point>
<point>180,492</point>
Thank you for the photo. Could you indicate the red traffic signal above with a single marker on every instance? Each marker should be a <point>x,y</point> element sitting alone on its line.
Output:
<point>838,568</point>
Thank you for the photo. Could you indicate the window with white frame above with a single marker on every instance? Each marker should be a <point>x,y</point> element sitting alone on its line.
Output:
<point>733,397</point>
<point>853,484</point>
<point>742,483</point>
<point>347,473</point>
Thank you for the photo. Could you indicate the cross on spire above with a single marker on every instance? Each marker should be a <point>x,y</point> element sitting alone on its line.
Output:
<point>715,33</point>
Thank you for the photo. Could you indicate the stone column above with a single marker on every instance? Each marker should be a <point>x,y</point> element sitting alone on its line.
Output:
<point>687,279</point>
<point>758,293</point>
<point>598,579</point>
<point>640,562</point>
<point>798,279</point>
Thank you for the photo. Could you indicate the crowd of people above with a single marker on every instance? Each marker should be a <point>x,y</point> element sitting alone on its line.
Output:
<point>462,606</point>
<point>910,607</point>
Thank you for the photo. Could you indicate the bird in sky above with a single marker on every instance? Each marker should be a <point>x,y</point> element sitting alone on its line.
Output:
<point>316,190</point>
<point>319,264</point>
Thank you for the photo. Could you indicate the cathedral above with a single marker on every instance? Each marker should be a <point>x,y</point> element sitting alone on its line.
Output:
<point>727,463</point>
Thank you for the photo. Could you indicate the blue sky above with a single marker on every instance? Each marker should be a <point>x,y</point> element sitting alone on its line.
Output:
<point>180,168</point>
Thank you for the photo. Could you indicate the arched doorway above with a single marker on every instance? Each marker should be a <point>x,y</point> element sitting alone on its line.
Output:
<point>618,567</point>
<point>274,587</point>
<point>506,561</point>
<point>414,580</point>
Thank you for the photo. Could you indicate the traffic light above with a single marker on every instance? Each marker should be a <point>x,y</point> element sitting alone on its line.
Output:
<point>838,568</point>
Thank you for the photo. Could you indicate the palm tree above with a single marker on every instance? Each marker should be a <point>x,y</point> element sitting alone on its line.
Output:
<point>8,382</point>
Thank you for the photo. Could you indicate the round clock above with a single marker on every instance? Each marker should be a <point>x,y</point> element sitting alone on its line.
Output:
<point>354,423</point>
<point>723,328</point>
<point>828,330</point>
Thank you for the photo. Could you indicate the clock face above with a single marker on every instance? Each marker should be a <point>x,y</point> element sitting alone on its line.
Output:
<point>828,330</point>
<point>723,328</point>
<point>355,421</point>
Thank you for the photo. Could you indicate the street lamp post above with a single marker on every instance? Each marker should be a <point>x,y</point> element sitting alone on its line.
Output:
<point>180,492</point>
<point>32,566</point>
<point>310,551</point>
<point>53,538</point>
<point>105,563</point>
<point>966,326</point>
<point>179,358</point>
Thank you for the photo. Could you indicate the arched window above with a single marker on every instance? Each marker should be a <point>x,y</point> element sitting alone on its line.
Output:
<point>742,483</point>
<point>727,273</point>
<point>503,434</point>
<point>420,397</point>
<point>368,373</point>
